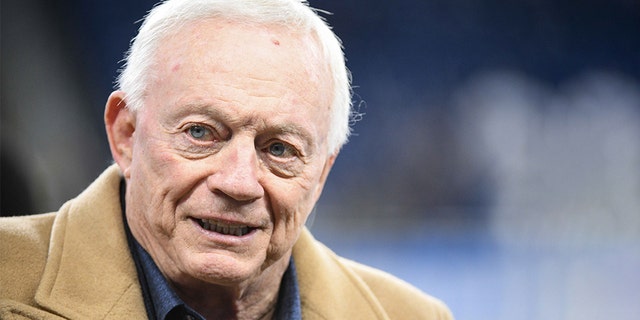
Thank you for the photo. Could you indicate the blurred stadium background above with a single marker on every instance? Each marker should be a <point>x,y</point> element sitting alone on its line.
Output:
<point>497,165</point>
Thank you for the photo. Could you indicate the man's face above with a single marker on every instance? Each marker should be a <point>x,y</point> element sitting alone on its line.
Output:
<point>229,151</point>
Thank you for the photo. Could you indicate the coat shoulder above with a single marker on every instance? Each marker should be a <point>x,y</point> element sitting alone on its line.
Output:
<point>17,311</point>
<point>24,244</point>
<point>400,299</point>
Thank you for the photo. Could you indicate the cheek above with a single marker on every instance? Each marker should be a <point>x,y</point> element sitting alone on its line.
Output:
<point>148,206</point>
<point>291,206</point>
<point>154,159</point>
<point>155,182</point>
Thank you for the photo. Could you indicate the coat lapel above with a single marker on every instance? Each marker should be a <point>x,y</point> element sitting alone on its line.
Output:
<point>89,273</point>
<point>329,290</point>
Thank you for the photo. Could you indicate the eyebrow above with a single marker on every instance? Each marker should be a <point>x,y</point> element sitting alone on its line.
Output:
<point>218,114</point>
<point>296,131</point>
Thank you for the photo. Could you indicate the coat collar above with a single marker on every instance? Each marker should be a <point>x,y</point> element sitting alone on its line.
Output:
<point>328,288</point>
<point>90,274</point>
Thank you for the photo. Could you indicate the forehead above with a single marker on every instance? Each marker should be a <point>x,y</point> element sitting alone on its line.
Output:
<point>262,51</point>
<point>235,62</point>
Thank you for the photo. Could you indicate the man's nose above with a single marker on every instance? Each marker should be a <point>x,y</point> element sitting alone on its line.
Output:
<point>238,174</point>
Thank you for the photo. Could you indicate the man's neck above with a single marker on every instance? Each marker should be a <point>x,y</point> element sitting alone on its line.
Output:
<point>257,299</point>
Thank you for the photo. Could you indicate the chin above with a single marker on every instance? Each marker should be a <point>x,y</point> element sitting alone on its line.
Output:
<point>224,270</point>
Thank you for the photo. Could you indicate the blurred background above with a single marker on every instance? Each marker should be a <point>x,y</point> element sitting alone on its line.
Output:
<point>497,165</point>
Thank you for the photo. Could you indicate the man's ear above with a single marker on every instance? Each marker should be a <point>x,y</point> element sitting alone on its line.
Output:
<point>120,123</point>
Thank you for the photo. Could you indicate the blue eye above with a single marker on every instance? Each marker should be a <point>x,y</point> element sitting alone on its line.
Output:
<point>198,132</point>
<point>277,149</point>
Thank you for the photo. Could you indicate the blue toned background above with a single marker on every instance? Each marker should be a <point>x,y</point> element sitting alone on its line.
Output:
<point>496,166</point>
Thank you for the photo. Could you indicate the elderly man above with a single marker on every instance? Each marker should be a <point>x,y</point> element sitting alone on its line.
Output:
<point>228,118</point>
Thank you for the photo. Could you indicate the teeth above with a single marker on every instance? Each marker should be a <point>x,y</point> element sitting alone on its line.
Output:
<point>223,228</point>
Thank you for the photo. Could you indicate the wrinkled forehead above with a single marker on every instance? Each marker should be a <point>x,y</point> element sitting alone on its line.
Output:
<point>198,38</point>
<point>241,62</point>
<point>231,45</point>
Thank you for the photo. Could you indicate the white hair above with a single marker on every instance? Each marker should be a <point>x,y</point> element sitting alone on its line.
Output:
<point>168,16</point>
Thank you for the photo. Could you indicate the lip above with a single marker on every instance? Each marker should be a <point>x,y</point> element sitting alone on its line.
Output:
<point>222,238</point>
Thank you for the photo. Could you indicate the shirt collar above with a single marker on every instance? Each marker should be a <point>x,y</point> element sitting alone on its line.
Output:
<point>289,295</point>
<point>162,301</point>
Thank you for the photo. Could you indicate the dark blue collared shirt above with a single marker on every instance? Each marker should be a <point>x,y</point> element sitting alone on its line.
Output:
<point>162,302</point>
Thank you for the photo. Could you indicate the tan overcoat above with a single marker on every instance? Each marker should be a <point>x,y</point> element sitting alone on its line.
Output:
<point>76,264</point>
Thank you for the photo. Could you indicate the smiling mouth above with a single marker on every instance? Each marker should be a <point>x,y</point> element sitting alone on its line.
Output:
<point>224,228</point>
